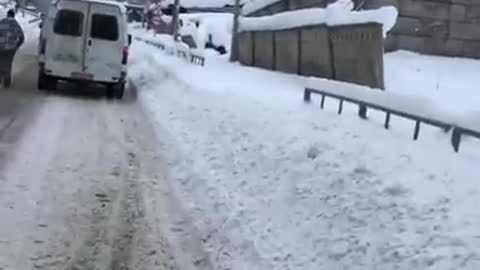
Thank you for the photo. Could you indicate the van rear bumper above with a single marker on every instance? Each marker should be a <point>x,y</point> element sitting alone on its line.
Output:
<point>83,77</point>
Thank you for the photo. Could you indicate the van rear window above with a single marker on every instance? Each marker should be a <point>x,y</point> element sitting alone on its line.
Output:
<point>104,27</point>
<point>69,22</point>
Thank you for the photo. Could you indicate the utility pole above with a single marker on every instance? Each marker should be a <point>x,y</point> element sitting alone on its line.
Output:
<point>234,49</point>
<point>175,19</point>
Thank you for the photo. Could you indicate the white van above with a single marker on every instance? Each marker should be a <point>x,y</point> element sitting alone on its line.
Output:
<point>84,41</point>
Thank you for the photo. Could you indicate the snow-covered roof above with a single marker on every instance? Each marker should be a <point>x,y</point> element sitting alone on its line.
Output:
<point>386,16</point>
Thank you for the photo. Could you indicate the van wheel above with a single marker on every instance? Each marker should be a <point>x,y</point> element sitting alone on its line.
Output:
<point>42,82</point>
<point>46,83</point>
<point>116,90</point>
<point>7,81</point>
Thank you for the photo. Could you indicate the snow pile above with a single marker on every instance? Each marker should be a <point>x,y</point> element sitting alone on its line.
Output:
<point>272,183</point>
<point>218,26</point>
<point>332,15</point>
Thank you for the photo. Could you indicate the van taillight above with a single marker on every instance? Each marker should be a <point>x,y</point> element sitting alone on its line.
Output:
<point>43,46</point>
<point>125,55</point>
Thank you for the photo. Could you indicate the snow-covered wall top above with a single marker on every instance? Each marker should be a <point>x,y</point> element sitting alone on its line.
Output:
<point>331,15</point>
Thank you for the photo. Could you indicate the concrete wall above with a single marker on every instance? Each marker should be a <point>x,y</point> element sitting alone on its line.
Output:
<point>314,61</point>
<point>287,52</point>
<point>351,53</point>
<point>358,54</point>
<point>263,52</point>
<point>442,27</point>
<point>245,48</point>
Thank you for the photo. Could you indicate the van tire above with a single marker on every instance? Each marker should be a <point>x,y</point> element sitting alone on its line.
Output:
<point>116,90</point>
<point>7,81</point>
<point>41,82</point>
<point>46,82</point>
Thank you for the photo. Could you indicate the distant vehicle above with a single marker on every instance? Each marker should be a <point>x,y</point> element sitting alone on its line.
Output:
<point>84,41</point>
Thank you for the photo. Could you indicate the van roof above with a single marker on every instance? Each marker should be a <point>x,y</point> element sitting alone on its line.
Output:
<point>120,5</point>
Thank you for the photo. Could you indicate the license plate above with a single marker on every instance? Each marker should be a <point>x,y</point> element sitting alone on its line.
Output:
<point>82,75</point>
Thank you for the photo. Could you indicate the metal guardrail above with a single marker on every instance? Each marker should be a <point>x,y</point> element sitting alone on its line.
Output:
<point>186,55</point>
<point>457,131</point>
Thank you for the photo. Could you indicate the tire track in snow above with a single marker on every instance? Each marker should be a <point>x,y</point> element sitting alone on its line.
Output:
<point>130,211</point>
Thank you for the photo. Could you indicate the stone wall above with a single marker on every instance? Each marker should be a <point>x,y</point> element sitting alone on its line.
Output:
<point>442,27</point>
<point>350,53</point>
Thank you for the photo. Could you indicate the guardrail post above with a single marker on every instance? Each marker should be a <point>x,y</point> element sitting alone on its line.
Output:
<point>456,139</point>
<point>234,49</point>
<point>340,106</point>
<point>306,95</point>
<point>387,121</point>
<point>362,111</point>
<point>417,130</point>
<point>322,103</point>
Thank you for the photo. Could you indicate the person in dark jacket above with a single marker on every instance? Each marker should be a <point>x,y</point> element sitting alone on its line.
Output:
<point>11,38</point>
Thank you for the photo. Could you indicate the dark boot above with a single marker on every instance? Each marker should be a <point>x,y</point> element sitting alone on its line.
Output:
<point>6,60</point>
<point>7,81</point>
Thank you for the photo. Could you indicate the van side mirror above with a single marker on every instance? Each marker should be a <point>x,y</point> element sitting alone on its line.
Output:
<point>129,39</point>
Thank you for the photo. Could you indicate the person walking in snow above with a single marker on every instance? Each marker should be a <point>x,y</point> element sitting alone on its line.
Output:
<point>11,38</point>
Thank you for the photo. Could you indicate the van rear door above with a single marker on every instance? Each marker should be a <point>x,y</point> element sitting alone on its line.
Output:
<point>106,42</point>
<point>65,47</point>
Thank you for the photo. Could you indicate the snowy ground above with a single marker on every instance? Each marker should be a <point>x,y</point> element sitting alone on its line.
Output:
<point>238,174</point>
<point>273,183</point>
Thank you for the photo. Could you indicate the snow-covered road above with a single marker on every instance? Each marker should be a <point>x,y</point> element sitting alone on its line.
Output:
<point>80,179</point>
